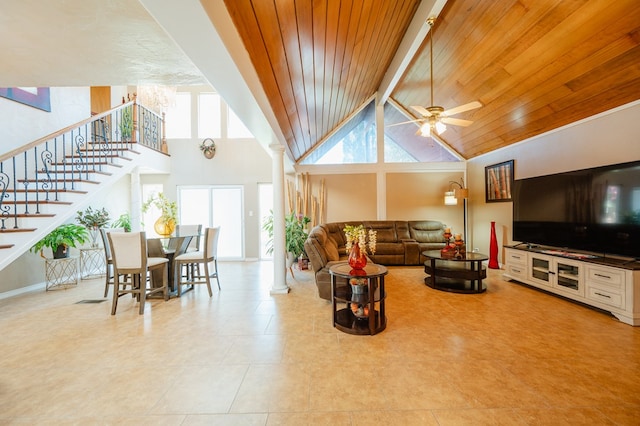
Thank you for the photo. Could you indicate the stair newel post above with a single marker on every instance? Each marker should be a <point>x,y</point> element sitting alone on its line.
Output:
<point>134,132</point>
<point>164,146</point>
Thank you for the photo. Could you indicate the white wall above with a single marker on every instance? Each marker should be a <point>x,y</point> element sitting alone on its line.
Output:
<point>237,162</point>
<point>608,138</point>
<point>21,124</point>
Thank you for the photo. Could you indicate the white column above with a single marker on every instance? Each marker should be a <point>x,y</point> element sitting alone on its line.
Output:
<point>136,201</point>
<point>279,249</point>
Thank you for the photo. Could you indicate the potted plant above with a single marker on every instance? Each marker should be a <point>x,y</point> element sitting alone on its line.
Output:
<point>166,223</point>
<point>123,221</point>
<point>295,235</point>
<point>93,220</point>
<point>60,239</point>
<point>126,123</point>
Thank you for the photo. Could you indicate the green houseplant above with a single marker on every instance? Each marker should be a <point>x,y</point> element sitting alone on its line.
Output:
<point>294,231</point>
<point>93,220</point>
<point>123,221</point>
<point>60,239</point>
<point>126,123</point>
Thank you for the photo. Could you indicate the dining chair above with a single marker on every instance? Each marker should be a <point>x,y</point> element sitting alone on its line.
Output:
<point>205,257</point>
<point>129,254</point>
<point>194,231</point>
<point>108,260</point>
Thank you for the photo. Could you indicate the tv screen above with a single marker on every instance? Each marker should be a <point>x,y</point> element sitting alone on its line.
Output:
<point>595,210</point>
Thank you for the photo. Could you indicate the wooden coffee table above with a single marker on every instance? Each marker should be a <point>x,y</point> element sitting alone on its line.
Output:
<point>447,273</point>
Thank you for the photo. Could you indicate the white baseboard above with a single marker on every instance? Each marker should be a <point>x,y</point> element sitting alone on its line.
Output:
<point>22,290</point>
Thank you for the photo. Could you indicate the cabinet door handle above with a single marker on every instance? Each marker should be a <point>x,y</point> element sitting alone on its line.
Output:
<point>603,295</point>
<point>517,271</point>
<point>602,276</point>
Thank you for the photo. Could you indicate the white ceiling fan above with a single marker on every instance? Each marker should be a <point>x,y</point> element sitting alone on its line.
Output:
<point>435,118</point>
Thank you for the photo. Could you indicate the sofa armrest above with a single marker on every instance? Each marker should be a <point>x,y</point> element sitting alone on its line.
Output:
<point>411,252</point>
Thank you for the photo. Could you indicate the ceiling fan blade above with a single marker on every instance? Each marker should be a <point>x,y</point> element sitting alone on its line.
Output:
<point>405,122</point>
<point>421,110</point>
<point>462,108</point>
<point>456,121</point>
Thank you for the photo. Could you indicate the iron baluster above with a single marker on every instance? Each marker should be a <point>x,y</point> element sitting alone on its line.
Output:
<point>4,184</point>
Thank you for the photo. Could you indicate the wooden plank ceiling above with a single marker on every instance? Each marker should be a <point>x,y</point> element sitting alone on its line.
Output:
<point>535,65</point>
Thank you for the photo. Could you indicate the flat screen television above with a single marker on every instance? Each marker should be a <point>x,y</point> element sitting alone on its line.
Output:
<point>595,210</point>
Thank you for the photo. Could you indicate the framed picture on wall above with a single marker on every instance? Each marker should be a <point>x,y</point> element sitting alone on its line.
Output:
<point>498,182</point>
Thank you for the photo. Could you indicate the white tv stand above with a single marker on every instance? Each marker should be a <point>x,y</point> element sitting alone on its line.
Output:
<point>607,283</point>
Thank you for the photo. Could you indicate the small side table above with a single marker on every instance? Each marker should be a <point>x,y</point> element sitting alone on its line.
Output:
<point>92,263</point>
<point>372,298</point>
<point>61,272</point>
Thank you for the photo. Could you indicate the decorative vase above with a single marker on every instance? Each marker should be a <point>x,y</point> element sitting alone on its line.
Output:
<point>164,228</point>
<point>94,236</point>
<point>493,248</point>
<point>358,288</point>
<point>357,259</point>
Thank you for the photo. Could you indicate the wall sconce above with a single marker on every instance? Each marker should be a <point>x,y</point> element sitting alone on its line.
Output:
<point>451,199</point>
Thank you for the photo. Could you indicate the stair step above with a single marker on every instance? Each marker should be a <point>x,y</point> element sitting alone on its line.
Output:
<point>76,172</point>
<point>23,215</point>
<point>68,181</point>
<point>42,191</point>
<point>101,163</point>
<point>14,230</point>
<point>39,202</point>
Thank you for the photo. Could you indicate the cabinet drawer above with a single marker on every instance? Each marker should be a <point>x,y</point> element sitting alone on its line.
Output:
<point>517,271</point>
<point>518,257</point>
<point>605,295</point>
<point>610,277</point>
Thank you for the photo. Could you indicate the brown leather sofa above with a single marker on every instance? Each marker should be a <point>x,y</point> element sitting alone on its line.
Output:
<point>398,243</point>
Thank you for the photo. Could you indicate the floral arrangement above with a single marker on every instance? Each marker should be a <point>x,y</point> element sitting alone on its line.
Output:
<point>168,209</point>
<point>93,219</point>
<point>357,233</point>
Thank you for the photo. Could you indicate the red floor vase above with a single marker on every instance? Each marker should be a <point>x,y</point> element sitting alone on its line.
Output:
<point>493,248</point>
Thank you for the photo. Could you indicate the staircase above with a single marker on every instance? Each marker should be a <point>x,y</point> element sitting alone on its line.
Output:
<point>44,183</point>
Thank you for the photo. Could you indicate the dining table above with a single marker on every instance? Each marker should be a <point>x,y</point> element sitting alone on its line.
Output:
<point>168,247</point>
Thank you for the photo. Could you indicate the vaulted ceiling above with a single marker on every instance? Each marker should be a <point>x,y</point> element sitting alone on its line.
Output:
<point>534,65</point>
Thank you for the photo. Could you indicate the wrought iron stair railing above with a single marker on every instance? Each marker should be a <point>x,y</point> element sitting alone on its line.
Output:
<point>52,170</point>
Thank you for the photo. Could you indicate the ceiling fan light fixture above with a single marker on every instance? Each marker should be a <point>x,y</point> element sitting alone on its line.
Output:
<point>440,127</point>
<point>425,130</point>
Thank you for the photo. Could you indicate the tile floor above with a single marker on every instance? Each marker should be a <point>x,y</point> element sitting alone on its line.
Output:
<point>511,356</point>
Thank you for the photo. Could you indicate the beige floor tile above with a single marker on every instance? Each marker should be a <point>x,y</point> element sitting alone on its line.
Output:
<point>512,356</point>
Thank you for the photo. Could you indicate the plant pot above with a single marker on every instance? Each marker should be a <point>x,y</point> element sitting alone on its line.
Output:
<point>61,252</point>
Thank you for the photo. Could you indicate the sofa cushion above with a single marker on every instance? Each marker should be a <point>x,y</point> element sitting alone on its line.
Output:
<point>427,231</point>
<point>332,249</point>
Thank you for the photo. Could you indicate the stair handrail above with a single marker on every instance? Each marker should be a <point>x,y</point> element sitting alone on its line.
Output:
<point>40,171</point>
<point>37,142</point>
